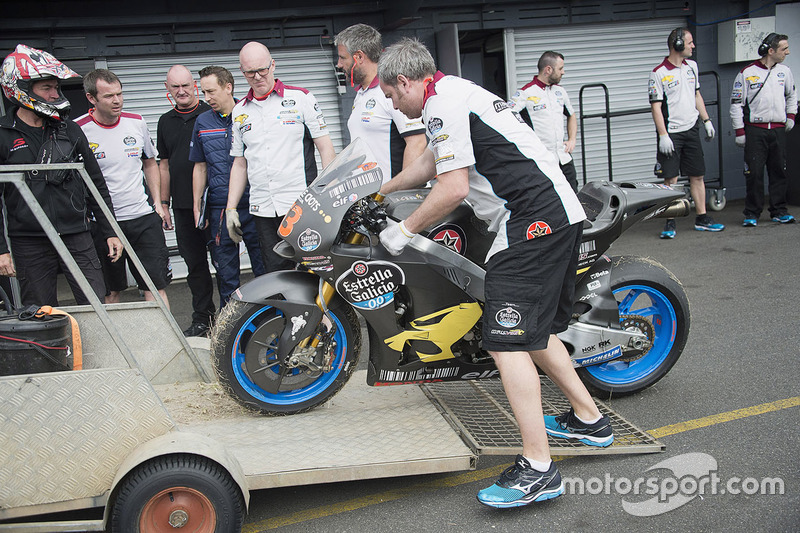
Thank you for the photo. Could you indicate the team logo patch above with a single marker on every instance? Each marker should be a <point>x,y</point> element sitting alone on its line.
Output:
<point>500,105</point>
<point>368,166</point>
<point>240,119</point>
<point>508,317</point>
<point>129,140</point>
<point>370,103</point>
<point>370,285</point>
<point>450,236</point>
<point>309,240</point>
<point>288,103</point>
<point>538,229</point>
<point>434,125</point>
<point>18,144</point>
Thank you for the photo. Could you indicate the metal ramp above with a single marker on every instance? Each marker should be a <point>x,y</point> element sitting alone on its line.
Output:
<point>374,432</point>
<point>479,411</point>
<point>363,432</point>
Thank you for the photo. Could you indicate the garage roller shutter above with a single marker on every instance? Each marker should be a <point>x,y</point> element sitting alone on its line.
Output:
<point>621,55</point>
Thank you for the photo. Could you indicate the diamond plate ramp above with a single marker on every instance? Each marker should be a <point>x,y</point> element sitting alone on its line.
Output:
<point>480,412</point>
<point>64,434</point>
<point>363,432</point>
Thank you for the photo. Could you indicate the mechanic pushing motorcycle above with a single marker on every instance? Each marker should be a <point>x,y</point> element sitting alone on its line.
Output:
<point>480,151</point>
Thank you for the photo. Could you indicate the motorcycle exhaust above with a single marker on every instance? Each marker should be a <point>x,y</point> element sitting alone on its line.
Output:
<point>678,208</point>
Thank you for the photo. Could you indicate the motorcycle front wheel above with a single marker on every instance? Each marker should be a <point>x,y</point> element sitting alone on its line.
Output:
<point>653,301</point>
<point>244,349</point>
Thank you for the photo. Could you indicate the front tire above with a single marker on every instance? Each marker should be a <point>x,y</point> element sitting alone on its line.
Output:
<point>244,347</point>
<point>652,300</point>
<point>178,491</point>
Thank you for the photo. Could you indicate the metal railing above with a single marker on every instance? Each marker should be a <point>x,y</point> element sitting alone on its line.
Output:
<point>15,175</point>
<point>607,115</point>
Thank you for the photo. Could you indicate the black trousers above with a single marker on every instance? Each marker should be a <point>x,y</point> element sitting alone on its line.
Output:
<point>570,173</point>
<point>37,263</point>
<point>765,147</point>
<point>193,247</point>
<point>267,228</point>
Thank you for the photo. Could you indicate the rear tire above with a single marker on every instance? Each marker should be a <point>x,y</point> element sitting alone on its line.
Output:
<point>643,288</point>
<point>244,346</point>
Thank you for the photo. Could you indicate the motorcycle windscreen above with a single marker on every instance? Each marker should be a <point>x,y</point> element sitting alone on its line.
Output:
<point>312,223</point>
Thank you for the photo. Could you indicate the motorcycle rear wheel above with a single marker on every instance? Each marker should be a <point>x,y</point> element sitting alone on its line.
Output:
<point>647,290</point>
<point>244,348</point>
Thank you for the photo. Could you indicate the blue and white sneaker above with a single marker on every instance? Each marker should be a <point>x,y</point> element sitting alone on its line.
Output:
<point>520,485</point>
<point>750,223</point>
<point>568,426</point>
<point>706,223</point>
<point>785,218</point>
<point>669,229</point>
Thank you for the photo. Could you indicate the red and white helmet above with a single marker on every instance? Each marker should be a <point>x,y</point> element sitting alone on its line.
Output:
<point>26,65</point>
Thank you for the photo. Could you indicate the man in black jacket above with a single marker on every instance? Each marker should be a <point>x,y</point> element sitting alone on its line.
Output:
<point>37,132</point>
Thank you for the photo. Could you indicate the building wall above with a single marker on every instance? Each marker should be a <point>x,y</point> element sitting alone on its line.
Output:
<point>87,30</point>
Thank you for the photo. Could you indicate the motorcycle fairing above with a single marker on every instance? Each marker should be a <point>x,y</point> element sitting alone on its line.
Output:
<point>300,290</point>
<point>442,329</point>
<point>313,221</point>
<point>594,299</point>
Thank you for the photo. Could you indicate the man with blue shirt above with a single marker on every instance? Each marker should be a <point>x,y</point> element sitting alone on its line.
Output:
<point>210,152</point>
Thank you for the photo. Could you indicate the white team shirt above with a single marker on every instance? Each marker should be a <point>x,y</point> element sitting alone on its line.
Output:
<point>763,97</point>
<point>375,120</point>
<point>274,136</point>
<point>515,184</point>
<point>119,150</point>
<point>675,88</point>
<point>547,106</point>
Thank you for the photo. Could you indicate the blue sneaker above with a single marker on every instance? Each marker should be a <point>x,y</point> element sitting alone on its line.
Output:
<point>750,223</point>
<point>520,485</point>
<point>568,426</point>
<point>785,218</point>
<point>706,223</point>
<point>669,230</point>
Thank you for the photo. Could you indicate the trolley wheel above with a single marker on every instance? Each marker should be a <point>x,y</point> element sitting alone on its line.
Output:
<point>716,201</point>
<point>178,491</point>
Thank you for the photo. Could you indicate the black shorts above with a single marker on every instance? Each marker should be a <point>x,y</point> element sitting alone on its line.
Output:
<point>687,160</point>
<point>529,290</point>
<point>147,239</point>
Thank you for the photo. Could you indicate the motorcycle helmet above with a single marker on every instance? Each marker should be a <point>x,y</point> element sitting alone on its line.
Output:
<point>26,65</point>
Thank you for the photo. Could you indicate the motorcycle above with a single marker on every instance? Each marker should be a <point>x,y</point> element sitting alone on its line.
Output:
<point>289,340</point>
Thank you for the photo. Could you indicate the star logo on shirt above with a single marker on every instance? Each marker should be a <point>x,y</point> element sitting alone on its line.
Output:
<point>450,236</point>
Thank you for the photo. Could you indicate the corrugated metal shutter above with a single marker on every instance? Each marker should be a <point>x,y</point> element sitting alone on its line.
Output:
<point>619,54</point>
<point>143,88</point>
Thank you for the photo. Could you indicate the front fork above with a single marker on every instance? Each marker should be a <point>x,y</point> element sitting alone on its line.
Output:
<point>327,291</point>
<point>324,298</point>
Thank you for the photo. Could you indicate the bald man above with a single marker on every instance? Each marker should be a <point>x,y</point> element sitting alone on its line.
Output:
<point>275,130</point>
<point>174,135</point>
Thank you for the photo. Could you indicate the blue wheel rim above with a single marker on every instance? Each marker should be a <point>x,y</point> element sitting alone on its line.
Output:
<point>289,397</point>
<point>653,304</point>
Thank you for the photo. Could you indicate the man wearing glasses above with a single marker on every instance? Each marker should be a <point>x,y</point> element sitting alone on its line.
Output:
<point>275,129</point>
